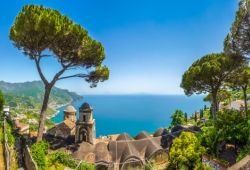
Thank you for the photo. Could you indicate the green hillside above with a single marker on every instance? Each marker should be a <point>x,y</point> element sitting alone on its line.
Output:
<point>25,100</point>
<point>30,94</point>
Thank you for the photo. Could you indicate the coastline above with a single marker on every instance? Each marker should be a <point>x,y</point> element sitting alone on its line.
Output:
<point>56,108</point>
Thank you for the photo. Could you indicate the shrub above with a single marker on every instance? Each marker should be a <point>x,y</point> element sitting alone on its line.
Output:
<point>62,158</point>
<point>233,126</point>
<point>149,165</point>
<point>186,151</point>
<point>86,166</point>
<point>202,166</point>
<point>39,151</point>
<point>178,118</point>
<point>209,139</point>
<point>10,135</point>
<point>1,103</point>
<point>243,152</point>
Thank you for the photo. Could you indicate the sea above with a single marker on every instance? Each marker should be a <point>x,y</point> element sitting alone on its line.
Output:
<point>116,114</point>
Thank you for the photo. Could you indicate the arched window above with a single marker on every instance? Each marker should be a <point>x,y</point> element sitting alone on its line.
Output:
<point>83,134</point>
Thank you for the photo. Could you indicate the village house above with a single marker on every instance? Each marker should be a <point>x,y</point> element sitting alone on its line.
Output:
<point>22,128</point>
<point>235,105</point>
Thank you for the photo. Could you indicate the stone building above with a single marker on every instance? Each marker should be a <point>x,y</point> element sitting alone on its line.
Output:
<point>66,129</point>
<point>22,127</point>
<point>85,125</point>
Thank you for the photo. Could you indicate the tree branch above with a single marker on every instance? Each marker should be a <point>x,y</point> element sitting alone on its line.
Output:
<point>37,61</point>
<point>47,55</point>
<point>75,75</point>
<point>57,76</point>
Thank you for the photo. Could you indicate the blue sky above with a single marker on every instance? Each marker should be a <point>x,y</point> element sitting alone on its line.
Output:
<point>148,43</point>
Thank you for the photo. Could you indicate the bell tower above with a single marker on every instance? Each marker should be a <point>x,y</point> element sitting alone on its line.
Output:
<point>85,126</point>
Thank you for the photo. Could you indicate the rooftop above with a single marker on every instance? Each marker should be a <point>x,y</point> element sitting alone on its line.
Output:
<point>85,107</point>
<point>70,109</point>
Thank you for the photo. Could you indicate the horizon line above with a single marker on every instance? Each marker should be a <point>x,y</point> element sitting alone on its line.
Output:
<point>142,94</point>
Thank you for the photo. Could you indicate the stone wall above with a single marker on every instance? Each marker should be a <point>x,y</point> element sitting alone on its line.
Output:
<point>212,163</point>
<point>6,147</point>
<point>243,164</point>
<point>30,164</point>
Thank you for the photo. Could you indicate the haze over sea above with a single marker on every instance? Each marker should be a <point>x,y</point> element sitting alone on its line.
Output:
<point>116,114</point>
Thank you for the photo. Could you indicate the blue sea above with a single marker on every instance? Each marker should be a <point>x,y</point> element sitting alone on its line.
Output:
<point>116,114</point>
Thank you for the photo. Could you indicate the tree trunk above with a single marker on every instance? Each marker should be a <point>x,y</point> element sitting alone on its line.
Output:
<point>214,104</point>
<point>43,112</point>
<point>245,99</point>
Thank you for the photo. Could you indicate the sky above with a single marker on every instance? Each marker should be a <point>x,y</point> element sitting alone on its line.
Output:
<point>148,43</point>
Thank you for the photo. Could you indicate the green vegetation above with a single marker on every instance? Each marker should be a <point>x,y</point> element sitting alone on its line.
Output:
<point>208,75</point>
<point>222,96</point>
<point>38,30</point>
<point>178,118</point>
<point>209,139</point>
<point>11,138</point>
<point>26,98</point>
<point>57,160</point>
<point>225,78</point>
<point>39,151</point>
<point>10,135</point>
<point>232,127</point>
<point>237,41</point>
<point>149,166</point>
<point>186,118</point>
<point>30,94</point>
<point>241,80</point>
<point>62,159</point>
<point>1,101</point>
<point>186,151</point>
<point>244,151</point>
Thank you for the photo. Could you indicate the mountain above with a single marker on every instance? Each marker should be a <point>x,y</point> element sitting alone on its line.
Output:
<point>31,94</point>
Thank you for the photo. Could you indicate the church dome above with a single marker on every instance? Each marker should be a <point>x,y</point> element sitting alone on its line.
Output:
<point>70,109</point>
<point>142,135</point>
<point>124,136</point>
<point>85,107</point>
<point>158,132</point>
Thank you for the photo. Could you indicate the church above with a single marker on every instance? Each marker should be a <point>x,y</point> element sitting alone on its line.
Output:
<point>73,130</point>
<point>115,152</point>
